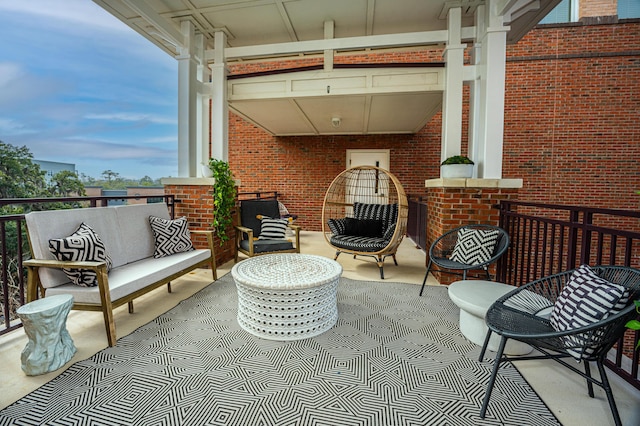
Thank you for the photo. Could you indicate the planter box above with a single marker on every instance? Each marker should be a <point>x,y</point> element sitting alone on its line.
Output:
<point>456,171</point>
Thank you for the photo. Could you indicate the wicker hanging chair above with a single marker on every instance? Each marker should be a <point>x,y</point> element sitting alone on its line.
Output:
<point>365,213</point>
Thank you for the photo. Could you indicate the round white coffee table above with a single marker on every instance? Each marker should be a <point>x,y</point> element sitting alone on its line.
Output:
<point>287,296</point>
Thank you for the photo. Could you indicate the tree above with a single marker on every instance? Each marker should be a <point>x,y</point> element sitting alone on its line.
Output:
<point>65,184</point>
<point>20,177</point>
<point>110,175</point>
<point>146,181</point>
<point>86,179</point>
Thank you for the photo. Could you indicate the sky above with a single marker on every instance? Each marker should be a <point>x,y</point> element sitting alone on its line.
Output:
<point>79,86</point>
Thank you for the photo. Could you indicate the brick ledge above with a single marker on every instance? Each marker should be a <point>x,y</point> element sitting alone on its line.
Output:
<point>192,181</point>
<point>473,183</point>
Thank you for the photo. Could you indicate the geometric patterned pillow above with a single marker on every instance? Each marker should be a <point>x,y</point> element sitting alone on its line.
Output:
<point>474,246</point>
<point>586,299</point>
<point>337,226</point>
<point>83,245</point>
<point>171,236</point>
<point>273,229</point>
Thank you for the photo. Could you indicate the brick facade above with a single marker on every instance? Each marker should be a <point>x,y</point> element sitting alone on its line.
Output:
<point>196,203</point>
<point>451,207</point>
<point>570,128</point>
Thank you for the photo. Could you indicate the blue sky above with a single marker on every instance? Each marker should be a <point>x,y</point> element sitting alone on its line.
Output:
<point>79,86</point>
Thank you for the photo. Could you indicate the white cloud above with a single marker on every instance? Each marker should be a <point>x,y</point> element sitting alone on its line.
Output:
<point>74,12</point>
<point>9,72</point>
<point>132,117</point>
<point>13,127</point>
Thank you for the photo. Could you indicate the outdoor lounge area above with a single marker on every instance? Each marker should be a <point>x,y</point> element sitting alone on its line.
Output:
<point>563,393</point>
<point>292,93</point>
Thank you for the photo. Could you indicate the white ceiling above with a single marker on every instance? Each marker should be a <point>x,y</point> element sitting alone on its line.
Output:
<point>267,22</point>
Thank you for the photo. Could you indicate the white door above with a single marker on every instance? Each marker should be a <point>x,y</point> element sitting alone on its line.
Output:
<point>368,157</point>
<point>371,187</point>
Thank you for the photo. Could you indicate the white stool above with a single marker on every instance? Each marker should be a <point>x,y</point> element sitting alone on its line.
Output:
<point>45,322</point>
<point>474,297</point>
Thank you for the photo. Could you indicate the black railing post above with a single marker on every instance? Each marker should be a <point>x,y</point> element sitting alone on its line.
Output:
<point>573,239</point>
<point>587,220</point>
<point>5,277</point>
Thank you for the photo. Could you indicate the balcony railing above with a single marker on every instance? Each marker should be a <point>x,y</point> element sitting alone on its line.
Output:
<point>14,248</point>
<point>548,238</point>
<point>417,221</point>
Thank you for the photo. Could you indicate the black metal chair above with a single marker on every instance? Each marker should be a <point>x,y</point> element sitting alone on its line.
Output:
<point>441,252</point>
<point>248,232</point>
<point>522,315</point>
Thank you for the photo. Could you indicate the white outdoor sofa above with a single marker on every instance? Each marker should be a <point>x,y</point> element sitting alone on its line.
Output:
<point>129,240</point>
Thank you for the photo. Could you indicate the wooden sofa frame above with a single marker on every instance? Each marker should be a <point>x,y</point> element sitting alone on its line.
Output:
<point>35,287</point>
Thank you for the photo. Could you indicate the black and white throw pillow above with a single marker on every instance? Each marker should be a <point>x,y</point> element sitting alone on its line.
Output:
<point>337,226</point>
<point>272,229</point>
<point>474,246</point>
<point>171,236</point>
<point>83,245</point>
<point>586,299</point>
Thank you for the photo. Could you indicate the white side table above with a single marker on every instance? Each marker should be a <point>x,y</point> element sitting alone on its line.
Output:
<point>474,297</point>
<point>45,322</point>
<point>287,296</point>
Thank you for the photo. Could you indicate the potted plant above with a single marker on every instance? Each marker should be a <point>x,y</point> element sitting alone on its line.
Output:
<point>635,324</point>
<point>224,198</point>
<point>457,166</point>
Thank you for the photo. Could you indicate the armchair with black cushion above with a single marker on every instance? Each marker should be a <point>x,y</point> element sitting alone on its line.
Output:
<point>577,314</point>
<point>262,230</point>
<point>467,248</point>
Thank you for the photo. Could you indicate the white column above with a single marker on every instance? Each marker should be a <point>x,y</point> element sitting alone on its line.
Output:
<point>452,96</point>
<point>219,107</point>
<point>490,130</point>
<point>475,95</point>
<point>187,105</point>
<point>204,96</point>
<point>328,54</point>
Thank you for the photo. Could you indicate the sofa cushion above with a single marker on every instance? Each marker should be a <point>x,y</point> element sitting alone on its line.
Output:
<point>46,225</point>
<point>135,276</point>
<point>134,231</point>
<point>352,242</point>
<point>266,246</point>
<point>251,209</point>
<point>171,236</point>
<point>387,213</point>
<point>474,246</point>
<point>337,226</point>
<point>273,229</point>
<point>363,227</point>
<point>83,245</point>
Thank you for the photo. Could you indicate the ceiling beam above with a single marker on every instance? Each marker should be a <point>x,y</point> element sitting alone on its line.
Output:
<point>166,28</point>
<point>374,41</point>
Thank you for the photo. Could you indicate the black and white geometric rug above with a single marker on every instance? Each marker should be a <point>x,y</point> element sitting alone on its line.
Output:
<point>393,358</point>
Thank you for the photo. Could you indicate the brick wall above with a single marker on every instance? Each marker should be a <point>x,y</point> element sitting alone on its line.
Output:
<point>571,123</point>
<point>453,207</point>
<point>570,128</point>
<point>598,8</point>
<point>196,203</point>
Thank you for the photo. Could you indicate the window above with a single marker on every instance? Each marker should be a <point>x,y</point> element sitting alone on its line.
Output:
<point>628,9</point>
<point>565,11</point>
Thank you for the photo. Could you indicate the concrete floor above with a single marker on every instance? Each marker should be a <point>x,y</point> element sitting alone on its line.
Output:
<point>564,392</point>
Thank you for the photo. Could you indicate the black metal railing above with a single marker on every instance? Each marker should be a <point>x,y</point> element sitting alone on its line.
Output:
<point>547,239</point>
<point>417,221</point>
<point>14,247</point>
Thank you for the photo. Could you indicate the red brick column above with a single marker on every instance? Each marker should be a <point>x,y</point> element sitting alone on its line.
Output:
<point>194,200</point>
<point>456,202</point>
